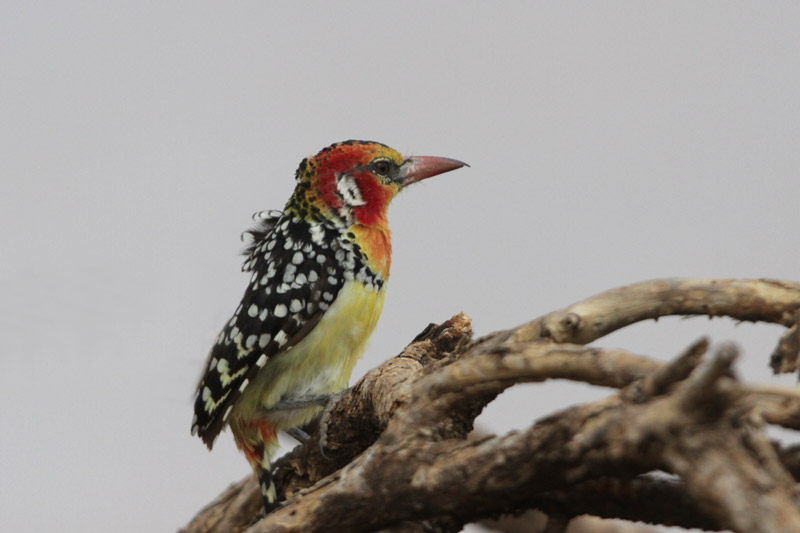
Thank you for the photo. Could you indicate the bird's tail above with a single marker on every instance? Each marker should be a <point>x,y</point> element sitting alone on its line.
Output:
<point>258,440</point>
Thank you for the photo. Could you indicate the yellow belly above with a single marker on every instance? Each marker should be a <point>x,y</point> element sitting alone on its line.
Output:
<point>319,364</point>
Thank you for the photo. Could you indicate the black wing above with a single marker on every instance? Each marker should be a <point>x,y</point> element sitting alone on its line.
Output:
<point>295,275</point>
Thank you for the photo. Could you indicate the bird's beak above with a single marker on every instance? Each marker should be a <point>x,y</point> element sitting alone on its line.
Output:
<point>420,167</point>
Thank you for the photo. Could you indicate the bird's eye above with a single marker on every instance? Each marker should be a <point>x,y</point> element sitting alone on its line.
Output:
<point>382,167</point>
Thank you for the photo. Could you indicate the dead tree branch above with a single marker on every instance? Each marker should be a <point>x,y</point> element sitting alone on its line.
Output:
<point>399,456</point>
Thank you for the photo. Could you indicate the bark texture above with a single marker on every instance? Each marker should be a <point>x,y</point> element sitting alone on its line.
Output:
<point>680,443</point>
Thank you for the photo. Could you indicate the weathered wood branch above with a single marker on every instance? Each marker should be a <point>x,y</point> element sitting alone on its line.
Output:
<point>762,300</point>
<point>398,441</point>
<point>652,499</point>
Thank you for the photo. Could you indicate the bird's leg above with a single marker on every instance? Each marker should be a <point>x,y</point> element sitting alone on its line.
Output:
<point>303,402</point>
<point>298,434</point>
<point>315,400</point>
<point>318,400</point>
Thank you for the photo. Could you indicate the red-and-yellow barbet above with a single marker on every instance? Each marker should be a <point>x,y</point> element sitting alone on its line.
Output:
<point>318,272</point>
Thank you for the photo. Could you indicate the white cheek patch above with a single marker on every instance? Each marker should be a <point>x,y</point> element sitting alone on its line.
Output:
<point>348,190</point>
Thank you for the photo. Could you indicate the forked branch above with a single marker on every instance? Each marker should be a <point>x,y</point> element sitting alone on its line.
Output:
<point>398,451</point>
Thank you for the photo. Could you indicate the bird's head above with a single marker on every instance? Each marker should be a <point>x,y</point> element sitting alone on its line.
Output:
<point>358,179</point>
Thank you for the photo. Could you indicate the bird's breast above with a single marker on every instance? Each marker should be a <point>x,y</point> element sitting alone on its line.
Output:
<point>322,362</point>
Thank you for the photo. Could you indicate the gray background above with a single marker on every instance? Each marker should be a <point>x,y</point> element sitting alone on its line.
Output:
<point>609,143</point>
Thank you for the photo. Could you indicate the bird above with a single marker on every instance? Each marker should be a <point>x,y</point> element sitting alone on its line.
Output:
<point>318,272</point>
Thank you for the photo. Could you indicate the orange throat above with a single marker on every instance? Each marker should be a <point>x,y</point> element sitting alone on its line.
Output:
<point>376,242</point>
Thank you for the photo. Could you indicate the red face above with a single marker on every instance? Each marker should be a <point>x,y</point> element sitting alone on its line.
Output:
<point>363,177</point>
<point>358,177</point>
